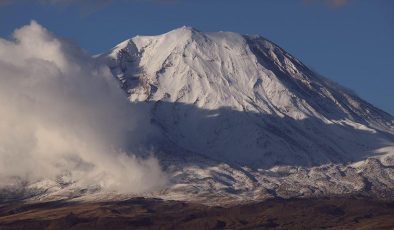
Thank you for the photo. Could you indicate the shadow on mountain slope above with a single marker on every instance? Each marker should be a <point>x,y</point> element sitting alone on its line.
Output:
<point>261,140</point>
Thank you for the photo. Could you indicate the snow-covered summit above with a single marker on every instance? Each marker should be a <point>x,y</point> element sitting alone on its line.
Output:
<point>243,99</point>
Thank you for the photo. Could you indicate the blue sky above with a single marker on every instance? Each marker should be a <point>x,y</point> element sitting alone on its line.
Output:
<point>348,41</point>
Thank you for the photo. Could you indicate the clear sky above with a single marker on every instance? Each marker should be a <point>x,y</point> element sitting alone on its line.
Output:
<point>348,41</point>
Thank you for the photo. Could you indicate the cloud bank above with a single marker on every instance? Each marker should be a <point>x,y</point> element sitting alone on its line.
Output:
<point>61,113</point>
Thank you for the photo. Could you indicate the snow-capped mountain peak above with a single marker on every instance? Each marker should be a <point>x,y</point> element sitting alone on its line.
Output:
<point>244,99</point>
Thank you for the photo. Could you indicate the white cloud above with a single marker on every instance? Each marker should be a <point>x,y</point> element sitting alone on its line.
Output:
<point>63,113</point>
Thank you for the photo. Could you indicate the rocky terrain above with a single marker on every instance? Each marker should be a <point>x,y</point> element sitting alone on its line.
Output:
<point>140,213</point>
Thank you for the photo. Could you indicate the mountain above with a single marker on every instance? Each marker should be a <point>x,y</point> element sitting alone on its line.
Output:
<point>244,115</point>
<point>241,119</point>
<point>245,100</point>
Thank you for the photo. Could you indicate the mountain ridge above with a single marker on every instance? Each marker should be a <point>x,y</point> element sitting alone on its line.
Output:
<point>188,35</point>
